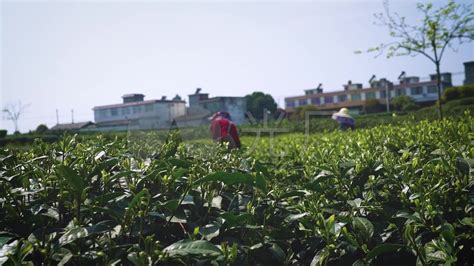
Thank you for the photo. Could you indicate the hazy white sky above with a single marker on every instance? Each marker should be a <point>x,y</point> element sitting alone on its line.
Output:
<point>77,55</point>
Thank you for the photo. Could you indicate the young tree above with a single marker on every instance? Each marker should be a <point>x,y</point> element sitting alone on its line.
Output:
<point>446,26</point>
<point>13,113</point>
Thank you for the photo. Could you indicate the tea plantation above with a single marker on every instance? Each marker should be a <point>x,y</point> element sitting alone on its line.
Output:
<point>388,195</point>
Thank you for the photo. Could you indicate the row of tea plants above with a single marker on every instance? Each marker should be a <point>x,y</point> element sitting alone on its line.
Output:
<point>395,195</point>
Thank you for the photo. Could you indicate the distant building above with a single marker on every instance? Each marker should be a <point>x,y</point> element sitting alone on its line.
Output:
<point>201,107</point>
<point>80,126</point>
<point>354,95</point>
<point>136,113</point>
<point>469,72</point>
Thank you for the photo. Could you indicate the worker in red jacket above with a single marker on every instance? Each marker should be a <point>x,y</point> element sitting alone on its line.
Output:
<point>224,130</point>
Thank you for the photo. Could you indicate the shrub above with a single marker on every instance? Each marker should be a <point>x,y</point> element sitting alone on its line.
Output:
<point>459,92</point>
<point>410,107</point>
<point>3,133</point>
<point>466,91</point>
<point>41,129</point>
<point>300,112</point>
<point>400,103</point>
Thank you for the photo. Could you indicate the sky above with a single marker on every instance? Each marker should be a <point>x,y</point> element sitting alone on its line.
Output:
<point>58,55</point>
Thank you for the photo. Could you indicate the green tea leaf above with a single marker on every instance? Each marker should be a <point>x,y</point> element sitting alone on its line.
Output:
<point>382,249</point>
<point>73,179</point>
<point>200,248</point>
<point>363,226</point>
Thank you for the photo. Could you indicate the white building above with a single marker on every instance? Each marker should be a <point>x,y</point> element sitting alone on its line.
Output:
<point>354,96</point>
<point>136,113</point>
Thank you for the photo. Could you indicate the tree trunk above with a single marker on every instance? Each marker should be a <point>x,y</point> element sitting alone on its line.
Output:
<point>438,84</point>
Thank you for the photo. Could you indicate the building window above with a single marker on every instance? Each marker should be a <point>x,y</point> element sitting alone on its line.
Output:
<point>328,99</point>
<point>102,113</point>
<point>416,91</point>
<point>400,92</point>
<point>316,100</point>
<point>302,102</point>
<point>137,109</point>
<point>370,95</point>
<point>342,98</point>
<point>433,89</point>
<point>356,97</point>
<point>290,104</point>
<point>114,111</point>
<point>125,111</point>
<point>149,107</point>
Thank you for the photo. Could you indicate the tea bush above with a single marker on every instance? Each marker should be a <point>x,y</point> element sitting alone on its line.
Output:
<point>392,194</point>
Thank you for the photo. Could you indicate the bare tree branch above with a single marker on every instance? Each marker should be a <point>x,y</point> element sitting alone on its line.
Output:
<point>13,112</point>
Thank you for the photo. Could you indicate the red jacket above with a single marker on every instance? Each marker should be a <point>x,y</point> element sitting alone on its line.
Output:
<point>224,130</point>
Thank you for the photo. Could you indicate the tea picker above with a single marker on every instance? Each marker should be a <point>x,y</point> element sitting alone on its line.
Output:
<point>344,119</point>
<point>224,130</point>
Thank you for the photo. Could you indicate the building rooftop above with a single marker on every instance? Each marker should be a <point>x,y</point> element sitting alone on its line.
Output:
<point>72,126</point>
<point>135,104</point>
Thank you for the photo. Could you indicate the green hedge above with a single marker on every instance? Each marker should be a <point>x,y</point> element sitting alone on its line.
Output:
<point>25,139</point>
<point>459,92</point>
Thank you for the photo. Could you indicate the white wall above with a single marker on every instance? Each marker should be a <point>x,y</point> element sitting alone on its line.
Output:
<point>160,115</point>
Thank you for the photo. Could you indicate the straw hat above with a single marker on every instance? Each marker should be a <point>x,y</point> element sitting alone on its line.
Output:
<point>344,112</point>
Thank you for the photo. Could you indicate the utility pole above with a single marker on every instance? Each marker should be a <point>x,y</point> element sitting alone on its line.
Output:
<point>72,115</point>
<point>57,117</point>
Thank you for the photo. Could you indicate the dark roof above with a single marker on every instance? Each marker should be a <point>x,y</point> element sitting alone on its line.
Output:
<point>135,104</point>
<point>72,126</point>
<point>132,95</point>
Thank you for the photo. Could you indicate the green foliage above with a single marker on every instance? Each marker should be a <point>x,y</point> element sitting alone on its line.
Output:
<point>3,133</point>
<point>438,28</point>
<point>41,129</point>
<point>396,194</point>
<point>459,92</point>
<point>410,107</point>
<point>300,111</point>
<point>403,103</point>
<point>257,102</point>
<point>373,106</point>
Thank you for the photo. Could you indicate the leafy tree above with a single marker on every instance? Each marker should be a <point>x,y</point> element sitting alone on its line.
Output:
<point>257,102</point>
<point>439,28</point>
<point>402,103</point>
<point>41,129</point>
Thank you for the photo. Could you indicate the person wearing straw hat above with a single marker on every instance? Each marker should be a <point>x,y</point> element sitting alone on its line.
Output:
<point>224,130</point>
<point>344,119</point>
